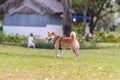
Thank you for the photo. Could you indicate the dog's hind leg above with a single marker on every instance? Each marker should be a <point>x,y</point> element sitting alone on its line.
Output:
<point>75,51</point>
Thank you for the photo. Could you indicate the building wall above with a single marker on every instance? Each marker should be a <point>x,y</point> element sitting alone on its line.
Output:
<point>24,24</point>
<point>38,31</point>
<point>31,20</point>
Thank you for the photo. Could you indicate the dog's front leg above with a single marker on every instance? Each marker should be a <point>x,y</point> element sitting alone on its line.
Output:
<point>56,52</point>
<point>61,53</point>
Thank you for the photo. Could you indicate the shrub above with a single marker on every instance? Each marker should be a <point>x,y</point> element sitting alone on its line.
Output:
<point>17,40</point>
<point>101,34</point>
<point>14,39</point>
<point>106,37</point>
<point>40,44</point>
<point>111,38</point>
<point>88,44</point>
<point>1,37</point>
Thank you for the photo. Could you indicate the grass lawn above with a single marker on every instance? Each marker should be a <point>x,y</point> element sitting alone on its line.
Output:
<point>19,63</point>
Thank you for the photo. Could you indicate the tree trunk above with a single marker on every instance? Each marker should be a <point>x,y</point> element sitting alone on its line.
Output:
<point>92,29</point>
<point>84,17</point>
<point>67,24</point>
<point>66,17</point>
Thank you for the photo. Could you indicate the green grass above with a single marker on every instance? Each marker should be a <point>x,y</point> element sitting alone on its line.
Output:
<point>18,63</point>
<point>108,45</point>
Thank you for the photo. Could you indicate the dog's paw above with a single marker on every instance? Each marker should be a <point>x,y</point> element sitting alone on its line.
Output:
<point>58,56</point>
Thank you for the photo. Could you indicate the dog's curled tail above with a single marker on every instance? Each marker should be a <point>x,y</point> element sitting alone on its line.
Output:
<point>73,35</point>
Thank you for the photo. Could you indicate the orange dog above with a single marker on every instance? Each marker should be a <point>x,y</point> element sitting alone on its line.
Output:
<point>63,42</point>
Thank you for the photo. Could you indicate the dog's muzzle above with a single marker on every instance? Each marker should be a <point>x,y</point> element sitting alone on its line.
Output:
<point>48,39</point>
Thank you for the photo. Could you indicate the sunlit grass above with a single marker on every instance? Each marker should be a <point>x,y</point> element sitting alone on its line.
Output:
<point>108,45</point>
<point>18,63</point>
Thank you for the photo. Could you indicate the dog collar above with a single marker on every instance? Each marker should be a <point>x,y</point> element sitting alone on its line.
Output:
<point>55,39</point>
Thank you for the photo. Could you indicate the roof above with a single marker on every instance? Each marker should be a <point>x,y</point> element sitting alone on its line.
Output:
<point>37,6</point>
